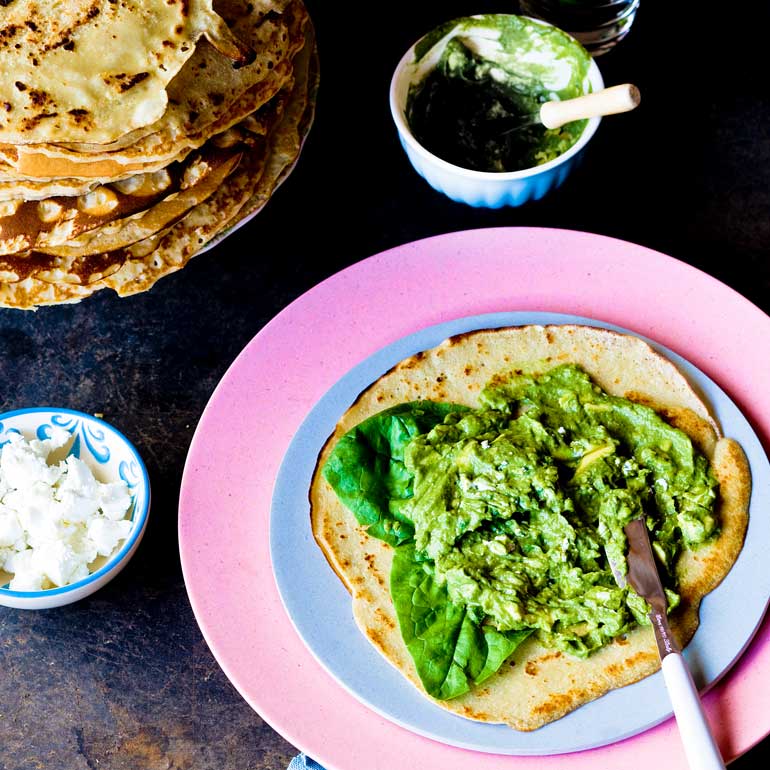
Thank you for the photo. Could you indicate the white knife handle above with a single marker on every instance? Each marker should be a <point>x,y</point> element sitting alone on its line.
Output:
<point>699,745</point>
<point>609,101</point>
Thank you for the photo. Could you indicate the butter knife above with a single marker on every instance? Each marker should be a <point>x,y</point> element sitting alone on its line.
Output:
<point>700,747</point>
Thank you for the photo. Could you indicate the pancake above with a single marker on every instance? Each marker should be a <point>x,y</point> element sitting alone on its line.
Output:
<point>278,128</point>
<point>536,685</point>
<point>68,224</point>
<point>37,189</point>
<point>224,108</point>
<point>73,83</point>
<point>44,166</point>
<point>208,96</point>
<point>245,193</point>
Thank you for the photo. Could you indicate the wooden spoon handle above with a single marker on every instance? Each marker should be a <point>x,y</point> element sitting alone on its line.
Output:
<point>606,102</point>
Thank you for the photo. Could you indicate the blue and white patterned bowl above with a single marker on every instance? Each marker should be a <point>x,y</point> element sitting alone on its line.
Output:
<point>111,457</point>
<point>481,188</point>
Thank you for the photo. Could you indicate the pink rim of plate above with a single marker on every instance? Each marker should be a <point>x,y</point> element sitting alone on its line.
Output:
<point>261,401</point>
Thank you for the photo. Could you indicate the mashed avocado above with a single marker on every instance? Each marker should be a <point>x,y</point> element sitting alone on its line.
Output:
<point>492,75</point>
<point>516,503</point>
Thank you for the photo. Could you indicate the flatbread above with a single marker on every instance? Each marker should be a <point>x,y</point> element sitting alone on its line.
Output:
<point>208,96</point>
<point>282,124</point>
<point>537,685</point>
<point>68,225</point>
<point>244,194</point>
<point>71,82</point>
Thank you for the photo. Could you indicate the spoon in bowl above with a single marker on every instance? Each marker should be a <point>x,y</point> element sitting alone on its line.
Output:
<point>608,101</point>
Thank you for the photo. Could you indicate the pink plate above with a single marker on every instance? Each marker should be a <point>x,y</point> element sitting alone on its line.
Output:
<point>267,392</point>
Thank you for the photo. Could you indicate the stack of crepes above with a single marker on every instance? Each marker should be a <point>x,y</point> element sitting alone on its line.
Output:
<point>133,133</point>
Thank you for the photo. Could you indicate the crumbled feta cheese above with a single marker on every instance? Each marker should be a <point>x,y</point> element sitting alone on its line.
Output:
<point>79,480</point>
<point>496,548</point>
<point>59,562</point>
<point>23,464</point>
<point>49,211</point>
<point>9,208</point>
<point>104,533</point>
<point>11,532</point>
<point>482,483</point>
<point>114,500</point>
<point>26,575</point>
<point>55,520</point>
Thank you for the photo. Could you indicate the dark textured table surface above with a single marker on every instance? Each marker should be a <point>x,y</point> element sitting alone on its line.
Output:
<point>123,680</point>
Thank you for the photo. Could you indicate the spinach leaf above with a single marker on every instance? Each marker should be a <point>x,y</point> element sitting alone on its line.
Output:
<point>450,647</point>
<point>366,468</point>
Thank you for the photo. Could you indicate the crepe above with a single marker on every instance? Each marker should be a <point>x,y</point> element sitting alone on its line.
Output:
<point>108,87</point>
<point>207,96</point>
<point>69,225</point>
<point>280,126</point>
<point>536,685</point>
<point>79,216</point>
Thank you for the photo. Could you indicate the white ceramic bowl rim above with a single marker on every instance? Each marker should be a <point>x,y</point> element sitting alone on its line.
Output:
<point>397,110</point>
<point>139,519</point>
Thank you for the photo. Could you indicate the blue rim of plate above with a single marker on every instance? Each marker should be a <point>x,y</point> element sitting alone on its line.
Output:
<point>319,606</point>
<point>139,518</point>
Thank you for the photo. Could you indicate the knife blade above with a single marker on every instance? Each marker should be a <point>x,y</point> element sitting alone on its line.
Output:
<point>700,746</point>
<point>644,578</point>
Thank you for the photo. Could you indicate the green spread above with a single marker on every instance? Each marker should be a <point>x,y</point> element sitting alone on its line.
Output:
<point>516,504</point>
<point>477,107</point>
<point>503,517</point>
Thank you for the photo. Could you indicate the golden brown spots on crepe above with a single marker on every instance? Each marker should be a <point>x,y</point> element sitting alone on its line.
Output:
<point>476,714</point>
<point>560,703</point>
<point>376,638</point>
<point>30,123</point>
<point>386,621</point>
<point>639,398</point>
<point>122,81</point>
<point>640,657</point>
<point>613,669</point>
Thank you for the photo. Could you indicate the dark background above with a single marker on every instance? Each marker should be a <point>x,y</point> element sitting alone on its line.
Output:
<point>123,679</point>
